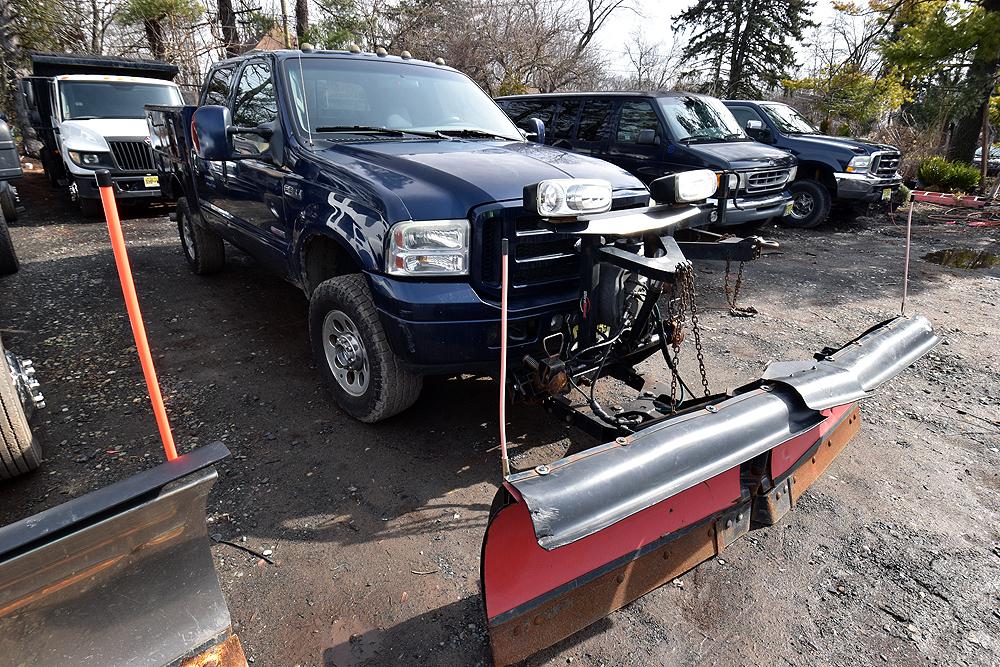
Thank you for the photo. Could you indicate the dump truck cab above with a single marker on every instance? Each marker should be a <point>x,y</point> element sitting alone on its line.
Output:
<point>89,114</point>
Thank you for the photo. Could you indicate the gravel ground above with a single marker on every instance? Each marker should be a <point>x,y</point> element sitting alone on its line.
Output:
<point>891,558</point>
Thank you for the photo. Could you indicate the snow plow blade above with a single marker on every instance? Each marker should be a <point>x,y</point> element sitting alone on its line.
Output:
<point>570,542</point>
<point>119,576</point>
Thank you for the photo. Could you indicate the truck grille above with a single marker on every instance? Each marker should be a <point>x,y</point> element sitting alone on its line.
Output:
<point>885,164</point>
<point>538,257</point>
<point>770,179</point>
<point>131,155</point>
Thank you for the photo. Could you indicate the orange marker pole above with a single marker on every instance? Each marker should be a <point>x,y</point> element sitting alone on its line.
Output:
<point>134,314</point>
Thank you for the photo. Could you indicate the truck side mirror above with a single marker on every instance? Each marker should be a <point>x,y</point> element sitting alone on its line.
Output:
<point>754,126</point>
<point>536,130</point>
<point>647,137</point>
<point>756,129</point>
<point>210,132</point>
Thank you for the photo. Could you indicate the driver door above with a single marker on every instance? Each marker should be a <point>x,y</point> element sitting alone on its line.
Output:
<point>254,198</point>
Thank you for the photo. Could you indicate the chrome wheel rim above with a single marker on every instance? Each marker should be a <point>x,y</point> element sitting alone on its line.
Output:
<point>803,205</point>
<point>345,353</point>
<point>187,237</point>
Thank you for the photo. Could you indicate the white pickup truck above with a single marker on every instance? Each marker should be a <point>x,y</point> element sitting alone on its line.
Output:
<point>90,121</point>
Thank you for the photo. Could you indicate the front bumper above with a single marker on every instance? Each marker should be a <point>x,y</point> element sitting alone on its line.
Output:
<point>865,187</point>
<point>743,210</point>
<point>127,186</point>
<point>447,327</point>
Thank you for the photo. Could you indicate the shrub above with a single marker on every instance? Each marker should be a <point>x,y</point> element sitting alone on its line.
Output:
<point>936,172</point>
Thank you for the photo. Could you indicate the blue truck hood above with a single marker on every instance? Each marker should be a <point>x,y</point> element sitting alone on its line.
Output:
<point>825,142</point>
<point>740,155</point>
<point>436,180</point>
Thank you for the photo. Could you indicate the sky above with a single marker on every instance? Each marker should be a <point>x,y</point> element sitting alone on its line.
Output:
<point>652,17</point>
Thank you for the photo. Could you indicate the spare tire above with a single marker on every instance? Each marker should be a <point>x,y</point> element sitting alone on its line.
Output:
<point>20,452</point>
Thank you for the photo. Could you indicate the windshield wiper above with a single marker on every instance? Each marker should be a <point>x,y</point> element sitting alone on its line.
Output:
<point>372,129</point>
<point>472,132</point>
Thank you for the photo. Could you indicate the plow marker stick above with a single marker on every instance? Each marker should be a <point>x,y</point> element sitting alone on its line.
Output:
<point>906,260</point>
<point>504,460</point>
<point>134,314</point>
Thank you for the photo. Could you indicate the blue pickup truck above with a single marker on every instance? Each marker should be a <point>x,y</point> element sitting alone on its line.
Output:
<point>383,187</point>
<point>830,168</point>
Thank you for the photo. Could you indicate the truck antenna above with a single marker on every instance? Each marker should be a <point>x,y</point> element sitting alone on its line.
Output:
<point>305,101</point>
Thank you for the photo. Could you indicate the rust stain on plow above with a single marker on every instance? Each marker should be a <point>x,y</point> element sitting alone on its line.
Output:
<point>817,462</point>
<point>520,637</point>
<point>227,654</point>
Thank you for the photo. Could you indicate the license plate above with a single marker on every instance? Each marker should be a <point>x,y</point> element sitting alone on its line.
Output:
<point>151,181</point>
<point>887,194</point>
<point>788,208</point>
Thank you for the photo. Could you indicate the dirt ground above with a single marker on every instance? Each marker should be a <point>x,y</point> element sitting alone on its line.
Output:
<point>891,558</point>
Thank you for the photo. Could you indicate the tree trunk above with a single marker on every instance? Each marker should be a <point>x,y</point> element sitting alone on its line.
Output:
<point>980,83</point>
<point>301,20</point>
<point>11,69</point>
<point>227,21</point>
<point>154,33</point>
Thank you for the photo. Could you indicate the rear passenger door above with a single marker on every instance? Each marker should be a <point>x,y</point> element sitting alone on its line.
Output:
<point>594,129</point>
<point>644,161</point>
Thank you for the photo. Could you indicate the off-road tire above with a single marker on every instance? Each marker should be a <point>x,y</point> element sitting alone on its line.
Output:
<point>8,202</point>
<point>390,389</point>
<point>208,252</point>
<point>8,258</point>
<point>19,450</point>
<point>821,204</point>
<point>91,208</point>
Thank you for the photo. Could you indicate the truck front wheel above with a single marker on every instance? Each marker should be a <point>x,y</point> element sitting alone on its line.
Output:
<point>19,451</point>
<point>351,350</point>
<point>203,249</point>
<point>810,204</point>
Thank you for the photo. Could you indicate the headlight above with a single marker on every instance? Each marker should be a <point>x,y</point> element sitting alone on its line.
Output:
<point>428,248</point>
<point>684,187</point>
<point>859,164</point>
<point>792,173</point>
<point>89,160</point>
<point>732,181</point>
<point>568,197</point>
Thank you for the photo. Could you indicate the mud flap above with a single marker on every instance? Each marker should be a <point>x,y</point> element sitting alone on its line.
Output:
<point>119,576</point>
<point>570,542</point>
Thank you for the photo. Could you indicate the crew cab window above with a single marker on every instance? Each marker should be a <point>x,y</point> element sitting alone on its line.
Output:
<point>566,120</point>
<point>218,87</point>
<point>636,115</point>
<point>255,103</point>
<point>521,110</point>
<point>744,114</point>
<point>595,123</point>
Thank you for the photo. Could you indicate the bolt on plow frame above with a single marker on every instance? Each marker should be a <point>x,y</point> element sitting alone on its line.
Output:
<point>681,472</point>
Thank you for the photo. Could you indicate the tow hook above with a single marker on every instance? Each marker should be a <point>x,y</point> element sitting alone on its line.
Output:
<point>22,371</point>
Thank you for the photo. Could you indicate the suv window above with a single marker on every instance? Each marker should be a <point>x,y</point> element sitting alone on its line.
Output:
<point>743,114</point>
<point>596,121</point>
<point>521,110</point>
<point>566,120</point>
<point>636,115</point>
<point>218,87</point>
<point>255,103</point>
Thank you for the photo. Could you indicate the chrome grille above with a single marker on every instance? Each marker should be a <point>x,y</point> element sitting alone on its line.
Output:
<point>131,155</point>
<point>770,179</point>
<point>885,164</point>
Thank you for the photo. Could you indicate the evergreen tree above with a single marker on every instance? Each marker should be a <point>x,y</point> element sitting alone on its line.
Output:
<point>744,47</point>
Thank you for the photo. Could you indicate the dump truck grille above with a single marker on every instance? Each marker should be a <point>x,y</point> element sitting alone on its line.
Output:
<point>885,164</point>
<point>766,180</point>
<point>132,155</point>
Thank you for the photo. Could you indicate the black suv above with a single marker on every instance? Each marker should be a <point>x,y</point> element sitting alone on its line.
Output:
<point>830,168</point>
<point>654,134</point>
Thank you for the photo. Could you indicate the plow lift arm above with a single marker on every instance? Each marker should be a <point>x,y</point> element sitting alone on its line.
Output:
<point>675,480</point>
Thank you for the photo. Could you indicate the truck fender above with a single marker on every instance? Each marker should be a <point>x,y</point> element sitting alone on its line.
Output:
<point>340,237</point>
<point>816,170</point>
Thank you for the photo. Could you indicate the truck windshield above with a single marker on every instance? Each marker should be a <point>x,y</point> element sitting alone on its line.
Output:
<point>83,100</point>
<point>788,119</point>
<point>700,119</point>
<point>343,93</point>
